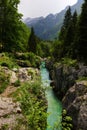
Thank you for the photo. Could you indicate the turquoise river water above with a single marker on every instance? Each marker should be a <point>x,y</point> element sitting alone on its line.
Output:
<point>54,105</point>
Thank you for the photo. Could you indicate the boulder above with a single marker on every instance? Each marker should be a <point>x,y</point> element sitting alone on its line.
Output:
<point>23,75</point>
<point>13,77</point>
<point>64,78</point>
<point>75,102</point>
<point>10,112</point>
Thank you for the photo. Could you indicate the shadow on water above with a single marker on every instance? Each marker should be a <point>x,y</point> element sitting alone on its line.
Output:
<point>54,105</point>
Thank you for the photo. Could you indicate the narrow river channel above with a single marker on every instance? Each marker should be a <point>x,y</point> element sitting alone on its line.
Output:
<point>54,105</point>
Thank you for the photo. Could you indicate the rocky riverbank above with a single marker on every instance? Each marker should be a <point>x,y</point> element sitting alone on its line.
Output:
<point>75,102</point>
<point>11,114</point>
<point>70,85</point>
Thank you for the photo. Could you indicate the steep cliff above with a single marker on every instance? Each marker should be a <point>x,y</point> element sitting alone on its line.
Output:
<point>65,76</point>
<point>75,102</point>
<point>70,85</point>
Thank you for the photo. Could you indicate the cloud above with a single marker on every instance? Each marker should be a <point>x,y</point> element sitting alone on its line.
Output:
<point>36,8</point>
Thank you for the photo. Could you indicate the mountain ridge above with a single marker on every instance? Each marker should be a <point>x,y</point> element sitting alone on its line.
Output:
<point>47,28</point>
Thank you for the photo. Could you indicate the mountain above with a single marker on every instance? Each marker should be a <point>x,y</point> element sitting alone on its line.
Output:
<point>47,28</point>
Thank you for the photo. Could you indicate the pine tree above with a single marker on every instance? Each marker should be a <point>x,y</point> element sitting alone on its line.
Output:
<point>82,35</point>
<point>74,19</point>
<point>32,42</point>
<point>67,20</point>
<point>72,30</point>
<point>66,31</point>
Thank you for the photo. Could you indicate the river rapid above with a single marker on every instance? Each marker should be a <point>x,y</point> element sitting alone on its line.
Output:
<point>54,109</point>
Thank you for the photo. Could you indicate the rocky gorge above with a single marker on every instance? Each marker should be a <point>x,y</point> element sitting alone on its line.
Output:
<point>70,85</point>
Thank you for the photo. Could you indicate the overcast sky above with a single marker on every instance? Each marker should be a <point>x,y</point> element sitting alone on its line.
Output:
<point>37,8</point>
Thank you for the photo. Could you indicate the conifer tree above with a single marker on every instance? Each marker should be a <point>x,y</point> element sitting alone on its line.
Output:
<point>74,19</point>
<point>67,18</point>
<point>66,22</point>
<point>32,42</point>
<point>71,33</point>
<point>82,35</point>
<point>66,31</point>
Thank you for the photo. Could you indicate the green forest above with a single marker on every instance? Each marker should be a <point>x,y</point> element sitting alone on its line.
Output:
<point>20,47</point>
<point>15,36</point>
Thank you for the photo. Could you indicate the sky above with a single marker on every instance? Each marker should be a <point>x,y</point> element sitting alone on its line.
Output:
<point>37,8</point>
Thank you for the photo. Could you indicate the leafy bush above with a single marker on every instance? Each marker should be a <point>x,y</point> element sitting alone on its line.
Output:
<point>4,127</point>
<point>82,78</point>
<point>43,48</point>
<point>17,83</point>
<point>27,59</point>
<point>7,61</point>
<point>24,63</point>
<point>4,81</point>
<point>66,121</point>
<point>70,62</point>
<point>32,101</point>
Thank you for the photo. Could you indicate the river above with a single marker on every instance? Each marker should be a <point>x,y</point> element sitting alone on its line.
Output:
<point>54,109</point>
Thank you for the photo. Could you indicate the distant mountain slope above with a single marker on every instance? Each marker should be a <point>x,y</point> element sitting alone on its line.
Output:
<point>48,28</point>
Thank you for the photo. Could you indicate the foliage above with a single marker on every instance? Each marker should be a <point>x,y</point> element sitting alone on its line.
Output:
<point>24,34</point>
<point>64,46</point>
<point>13,32</point>
<point>7,61</point>
<point>82,33</point>
<point>67,33</point>
<point>43,48</point>
<point>32,101</point>
<point>57,50</point>
<point>9,21</point>
<point>4,127</point>
<point>73,35</point>
<point>27,59</point>
<point>66,23</point>
<point>32,42</point>
<point>70,62</point>
<point>17,83</point>
<point>82,79</point>
<point>66,121</point>
<point>31,73</point>
<point>4,80</point>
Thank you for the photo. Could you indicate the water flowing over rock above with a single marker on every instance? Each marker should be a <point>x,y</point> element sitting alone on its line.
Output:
<point>72,93</point>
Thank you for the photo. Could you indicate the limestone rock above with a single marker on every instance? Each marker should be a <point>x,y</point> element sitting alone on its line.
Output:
<point>75,101</point>
<point>23,75</point>
<point>13,77</point>
<point>9,112</point>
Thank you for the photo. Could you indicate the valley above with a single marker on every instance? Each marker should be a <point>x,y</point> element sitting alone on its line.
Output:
<point>43,69</point>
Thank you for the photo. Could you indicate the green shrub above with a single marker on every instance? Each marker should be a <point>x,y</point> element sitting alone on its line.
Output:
<point>82,78</point>
<point>4,127</point>
<point>7,61</point>
<point>24,63</point>
<point>17,83</point>
<point>70,62</point>
<point>27,59</point>
<point>33,104</point>
<point>4,81</point>
<point>66,121</point>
